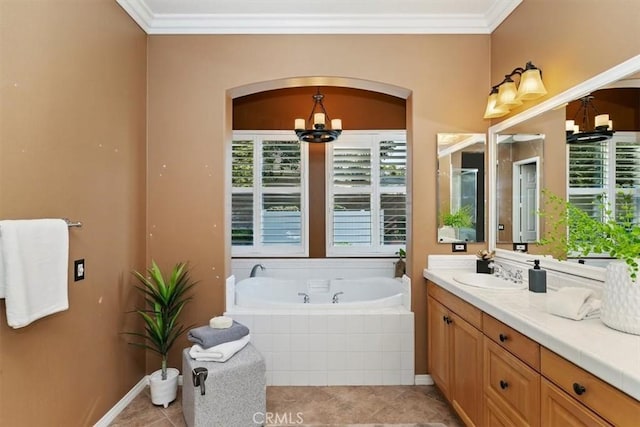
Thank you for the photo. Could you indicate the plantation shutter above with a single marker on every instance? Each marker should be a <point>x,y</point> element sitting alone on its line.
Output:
<point>242,193</point>
<point>588,175</point>
<point>393,200</point>
<point>352,195</point>
<point>281,219</point>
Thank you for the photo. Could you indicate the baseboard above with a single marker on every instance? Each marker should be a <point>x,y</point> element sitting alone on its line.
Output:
<point>424,380</point>
<point>122,403</point>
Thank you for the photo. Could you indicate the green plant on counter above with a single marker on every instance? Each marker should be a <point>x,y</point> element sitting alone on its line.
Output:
<point>458,219</point>
<point>574,231</point>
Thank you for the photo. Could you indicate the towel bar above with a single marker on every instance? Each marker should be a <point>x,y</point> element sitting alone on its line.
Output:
<point>72,224</point>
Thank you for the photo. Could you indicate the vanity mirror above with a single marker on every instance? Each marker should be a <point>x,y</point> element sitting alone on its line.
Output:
<point>461,187</point>
<point>547,120</point>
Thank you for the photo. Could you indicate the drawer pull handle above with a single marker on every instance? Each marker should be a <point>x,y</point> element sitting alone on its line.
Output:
<point>503,337</point>
<point>579,388</point>
<point>504,384</point>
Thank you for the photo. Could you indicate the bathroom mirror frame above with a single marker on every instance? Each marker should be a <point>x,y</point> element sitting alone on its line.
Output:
<point>624,69</point>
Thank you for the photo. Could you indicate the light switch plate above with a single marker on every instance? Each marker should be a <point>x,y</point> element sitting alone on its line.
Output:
<point>78,270</point>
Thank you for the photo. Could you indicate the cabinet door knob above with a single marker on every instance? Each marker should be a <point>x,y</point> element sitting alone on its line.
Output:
<point>444,319</point>
<point>502,337</point>
<point>503,384</point>
<point>579,388</point>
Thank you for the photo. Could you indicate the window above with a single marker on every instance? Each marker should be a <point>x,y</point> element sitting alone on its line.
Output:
<point>268,194</point>
<point>607,174</point>
<point>365,200</point>
<point>366,194</point>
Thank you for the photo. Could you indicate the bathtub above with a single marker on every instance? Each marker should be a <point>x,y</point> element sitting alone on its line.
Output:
<point>366,338</point>
<point>263,292</point>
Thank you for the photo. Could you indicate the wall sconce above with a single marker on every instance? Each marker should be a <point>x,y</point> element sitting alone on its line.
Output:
<point>507,95</point>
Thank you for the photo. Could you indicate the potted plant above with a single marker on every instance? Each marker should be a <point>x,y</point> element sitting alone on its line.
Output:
<point>459,219</point>
<point>165,297</point>
<point>401,266</point>
<point>574,231</point>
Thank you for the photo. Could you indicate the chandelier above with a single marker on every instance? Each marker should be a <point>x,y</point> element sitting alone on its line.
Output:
<point>506,95</point>
<point>318,131</point>
<point>602,129</point>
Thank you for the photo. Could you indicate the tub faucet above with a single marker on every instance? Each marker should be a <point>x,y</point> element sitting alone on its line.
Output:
<point>305,300</point>
<point>335,297</point>
<point>255,268</point>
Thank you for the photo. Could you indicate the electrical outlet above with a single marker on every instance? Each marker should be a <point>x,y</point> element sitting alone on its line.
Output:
<point>521,247</point>
<point>458,247</point>
<point>78,270</point>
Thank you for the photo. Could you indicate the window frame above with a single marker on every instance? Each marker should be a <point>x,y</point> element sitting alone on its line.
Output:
<point>258,249</point>
<point>371,140</point>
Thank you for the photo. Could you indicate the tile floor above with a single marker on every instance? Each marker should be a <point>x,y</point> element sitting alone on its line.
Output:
<point>333,405</point>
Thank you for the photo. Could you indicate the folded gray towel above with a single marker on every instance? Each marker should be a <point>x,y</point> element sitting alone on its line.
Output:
<point>206,336</point>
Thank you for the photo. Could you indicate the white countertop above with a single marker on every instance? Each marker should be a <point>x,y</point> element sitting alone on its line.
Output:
<point>610,355</point>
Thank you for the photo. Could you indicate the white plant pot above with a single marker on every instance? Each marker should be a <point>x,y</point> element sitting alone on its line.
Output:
<point>164,392</point>
<point>620,299</point>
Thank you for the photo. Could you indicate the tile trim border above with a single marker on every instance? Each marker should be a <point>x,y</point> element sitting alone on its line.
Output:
<point>122,403</point>
<point>424,380</point>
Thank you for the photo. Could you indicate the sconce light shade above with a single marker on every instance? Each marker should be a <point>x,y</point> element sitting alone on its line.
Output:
<point>507,94</point>
<point>531,86</point>
<point>493,110</point>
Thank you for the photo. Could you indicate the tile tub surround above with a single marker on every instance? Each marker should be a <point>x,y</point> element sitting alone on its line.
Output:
<point>608,354</point>
<point>355,347</point>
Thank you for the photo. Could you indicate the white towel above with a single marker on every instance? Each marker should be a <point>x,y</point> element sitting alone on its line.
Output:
<point>220,352</point>
<point>573,303</point>
<point>34,255</point>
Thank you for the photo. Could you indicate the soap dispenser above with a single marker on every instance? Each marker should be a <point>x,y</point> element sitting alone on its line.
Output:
<point>537,278</point>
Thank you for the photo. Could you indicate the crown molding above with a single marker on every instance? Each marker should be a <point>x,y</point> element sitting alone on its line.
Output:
<point>290,23</point>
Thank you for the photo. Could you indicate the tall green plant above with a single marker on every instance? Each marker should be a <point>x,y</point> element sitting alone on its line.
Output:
<point>164,300</point>
<point>575,231</point>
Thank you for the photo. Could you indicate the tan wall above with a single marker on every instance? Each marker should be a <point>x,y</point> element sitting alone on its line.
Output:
<point>570,40</point>
<point>189,126</point>
<point>72,144</point>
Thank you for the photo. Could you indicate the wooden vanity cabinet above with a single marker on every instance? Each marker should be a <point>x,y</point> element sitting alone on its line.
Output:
<point>561,410</point>
<point>592,393</point>
<point>455,353</point>
<point>511,388</point>
<point>495,376</point>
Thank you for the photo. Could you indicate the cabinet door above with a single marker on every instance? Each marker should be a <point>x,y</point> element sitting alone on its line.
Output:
<point>511,385</point>
<point>438,346</point>
<point>466,381</point>
<point>561,410</point>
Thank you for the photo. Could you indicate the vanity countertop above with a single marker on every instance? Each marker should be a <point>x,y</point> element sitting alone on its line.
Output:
<point>611,355</point>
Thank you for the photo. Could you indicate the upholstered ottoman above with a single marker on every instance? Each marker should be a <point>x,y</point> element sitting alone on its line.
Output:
<point>234,391</point>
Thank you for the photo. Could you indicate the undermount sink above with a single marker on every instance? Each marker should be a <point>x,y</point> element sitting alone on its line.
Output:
<point>488,281</point>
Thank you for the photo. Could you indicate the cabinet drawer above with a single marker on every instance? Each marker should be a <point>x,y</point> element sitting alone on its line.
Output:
<point>561,410</point>
<point>521,346</point>
<point>468,312</point>
<point>511,385</point>
<point>607,401</point>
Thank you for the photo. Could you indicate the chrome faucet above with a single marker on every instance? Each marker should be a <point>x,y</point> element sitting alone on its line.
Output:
<point>255,268</point>
<point>517,277</point>
<point>335,297</point>
<point>305,300</point>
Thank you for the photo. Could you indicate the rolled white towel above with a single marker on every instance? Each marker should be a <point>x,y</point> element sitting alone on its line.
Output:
<point>219,353</point>
<point>221,322</point>
<point>573,303</point>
